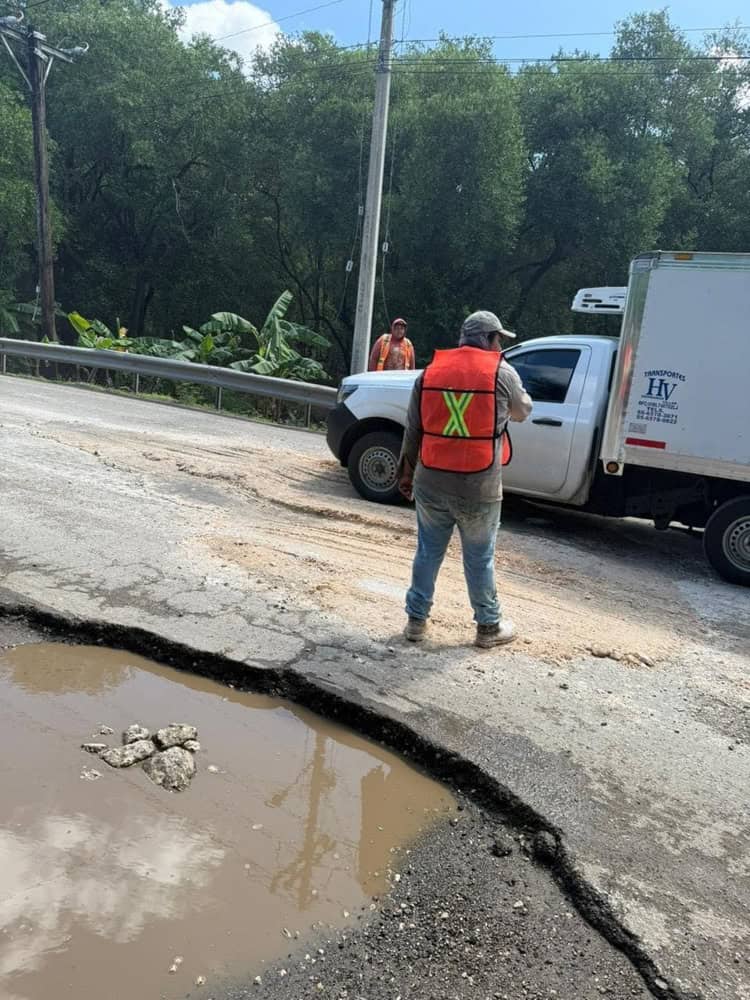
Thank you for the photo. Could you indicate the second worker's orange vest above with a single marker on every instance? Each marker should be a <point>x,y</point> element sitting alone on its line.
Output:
<point>385,350</point>
<point>459,411</point>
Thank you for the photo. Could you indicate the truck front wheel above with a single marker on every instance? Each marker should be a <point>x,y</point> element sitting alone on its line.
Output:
<point>727,540</point>
<point>373,466</point>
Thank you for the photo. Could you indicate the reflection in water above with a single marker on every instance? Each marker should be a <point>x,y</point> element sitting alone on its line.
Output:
<point>67,871</point>
<point>297,876</point>
<point>62,669</point>
<point>103,883</point>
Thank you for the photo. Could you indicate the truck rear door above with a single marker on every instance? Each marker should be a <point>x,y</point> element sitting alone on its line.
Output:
<point>680,400</point>
<point>554,377</point>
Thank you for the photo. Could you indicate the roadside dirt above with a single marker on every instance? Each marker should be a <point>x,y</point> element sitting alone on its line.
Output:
<point>571,583</point>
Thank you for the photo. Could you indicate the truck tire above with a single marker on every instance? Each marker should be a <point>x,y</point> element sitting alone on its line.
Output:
<point>373,464</point>
<point>726,540</point>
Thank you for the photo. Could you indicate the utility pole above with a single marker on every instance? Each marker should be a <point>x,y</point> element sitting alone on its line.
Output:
<point>37,79</point>
<point>38,63</point>
<point>371,228</point>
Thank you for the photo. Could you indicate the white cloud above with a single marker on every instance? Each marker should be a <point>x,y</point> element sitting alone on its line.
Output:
<point>731,60</point>
<point>217,18</point>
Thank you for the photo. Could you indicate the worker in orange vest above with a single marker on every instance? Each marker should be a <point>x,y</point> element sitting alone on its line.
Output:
<point>392,351</point>
<point>455,446</point>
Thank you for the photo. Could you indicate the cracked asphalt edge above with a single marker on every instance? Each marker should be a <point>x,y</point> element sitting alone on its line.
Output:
<point>352,710</point>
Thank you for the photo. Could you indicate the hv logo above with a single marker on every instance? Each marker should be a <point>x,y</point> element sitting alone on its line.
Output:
<point>660,388</point>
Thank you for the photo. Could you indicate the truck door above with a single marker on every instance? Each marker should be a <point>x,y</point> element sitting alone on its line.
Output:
<point>554,377</point>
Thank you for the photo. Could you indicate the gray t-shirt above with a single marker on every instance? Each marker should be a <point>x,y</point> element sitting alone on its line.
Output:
<point>513,403</point>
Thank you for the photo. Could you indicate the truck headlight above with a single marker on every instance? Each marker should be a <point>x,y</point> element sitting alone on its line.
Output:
<point>345,391</point>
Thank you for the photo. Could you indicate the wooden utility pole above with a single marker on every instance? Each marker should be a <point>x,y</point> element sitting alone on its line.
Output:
<point>37,78</point>
<point>39,57</point>
<point>374,198</point>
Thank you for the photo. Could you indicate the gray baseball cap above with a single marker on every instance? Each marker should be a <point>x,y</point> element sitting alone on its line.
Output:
<point>483,324</point>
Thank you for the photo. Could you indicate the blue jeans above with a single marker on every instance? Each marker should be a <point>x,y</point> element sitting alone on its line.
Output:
<point>437,515</point>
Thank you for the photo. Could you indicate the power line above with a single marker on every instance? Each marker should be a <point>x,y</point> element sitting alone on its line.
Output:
<point>586,60</point>
<point>562,34</point>
<point>568,34</point>
<point>278,20</point>
<point>612,74</point>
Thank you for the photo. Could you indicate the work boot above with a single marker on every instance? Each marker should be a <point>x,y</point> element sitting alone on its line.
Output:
<point>495,635</point>
<point>415,629</point>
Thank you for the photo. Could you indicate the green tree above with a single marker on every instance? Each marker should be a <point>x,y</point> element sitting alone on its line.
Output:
<point>307,164</point>
<point>151,136</point>
<point>17,219</point>
<point>457,187</point>
<point>599,182</point>
<point>625,156</point>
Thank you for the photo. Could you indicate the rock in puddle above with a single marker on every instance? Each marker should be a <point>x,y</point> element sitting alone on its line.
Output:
<point>176,734</point>
<point>192,745</point>
<point>135,732</point>
<point>128,755</point>
<point>94,747</point>
<point>172,768</point>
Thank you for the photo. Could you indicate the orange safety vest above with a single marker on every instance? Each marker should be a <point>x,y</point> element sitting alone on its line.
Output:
<point>385,350</point>
<point>459,411</point>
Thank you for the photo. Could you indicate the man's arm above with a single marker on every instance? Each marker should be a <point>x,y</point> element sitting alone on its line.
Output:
<point>374,356</point>
<point>411,363</point>
<point>510,386</point>
<point>412,440</point>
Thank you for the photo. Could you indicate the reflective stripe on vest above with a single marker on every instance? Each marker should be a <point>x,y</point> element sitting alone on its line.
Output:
<point>385,350</point>
<point>459,411</point>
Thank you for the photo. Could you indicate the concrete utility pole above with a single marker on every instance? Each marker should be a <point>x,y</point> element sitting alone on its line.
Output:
<point>38,63</point>
<point>374,198</point>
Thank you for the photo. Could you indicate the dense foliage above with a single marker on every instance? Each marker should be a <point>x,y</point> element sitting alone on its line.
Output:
<point>185,182</point>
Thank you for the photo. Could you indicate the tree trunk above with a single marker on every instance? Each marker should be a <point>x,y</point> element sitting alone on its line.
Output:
<point>531,282</point>
<point>144,292</point>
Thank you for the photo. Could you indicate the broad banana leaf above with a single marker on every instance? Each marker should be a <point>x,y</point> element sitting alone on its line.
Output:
<point>276,313</point>
<point>226,322</point>
<point>79,323</point>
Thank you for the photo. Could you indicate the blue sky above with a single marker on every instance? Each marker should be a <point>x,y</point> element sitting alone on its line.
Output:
<point>247,24</point>
<point>426,18</point>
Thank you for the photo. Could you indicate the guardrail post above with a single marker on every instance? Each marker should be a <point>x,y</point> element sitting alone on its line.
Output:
<point>2,363</point>
<point>218,398</point>
<point>137,383</point>
<point>308,416</point>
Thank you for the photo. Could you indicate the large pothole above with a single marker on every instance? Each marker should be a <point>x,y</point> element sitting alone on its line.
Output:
<point>467,912</point>
<point>289,824</point>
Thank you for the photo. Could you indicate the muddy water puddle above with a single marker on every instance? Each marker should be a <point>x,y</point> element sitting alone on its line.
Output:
<point>106,884</point>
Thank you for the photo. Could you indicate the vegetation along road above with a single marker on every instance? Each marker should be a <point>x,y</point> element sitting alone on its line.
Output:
<point>619,721</point>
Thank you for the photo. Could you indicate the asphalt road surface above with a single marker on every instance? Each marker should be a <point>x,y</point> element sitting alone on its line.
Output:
<point>621,715</point>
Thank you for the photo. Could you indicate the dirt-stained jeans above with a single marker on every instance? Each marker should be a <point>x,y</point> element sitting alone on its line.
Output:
<point>477,522</point>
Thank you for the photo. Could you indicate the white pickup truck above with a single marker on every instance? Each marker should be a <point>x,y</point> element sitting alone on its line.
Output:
<point>654,424</point>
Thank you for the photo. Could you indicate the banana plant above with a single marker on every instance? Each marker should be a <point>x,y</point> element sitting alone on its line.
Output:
<point>20,319</point>
<point>97,335</point>
<point>226,339</point>
<point>274,354</point>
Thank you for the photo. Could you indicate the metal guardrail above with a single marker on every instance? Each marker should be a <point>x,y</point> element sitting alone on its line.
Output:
<point>177,371</point>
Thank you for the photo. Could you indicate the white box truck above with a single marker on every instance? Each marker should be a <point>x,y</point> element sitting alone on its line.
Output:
<point>654,424</point>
